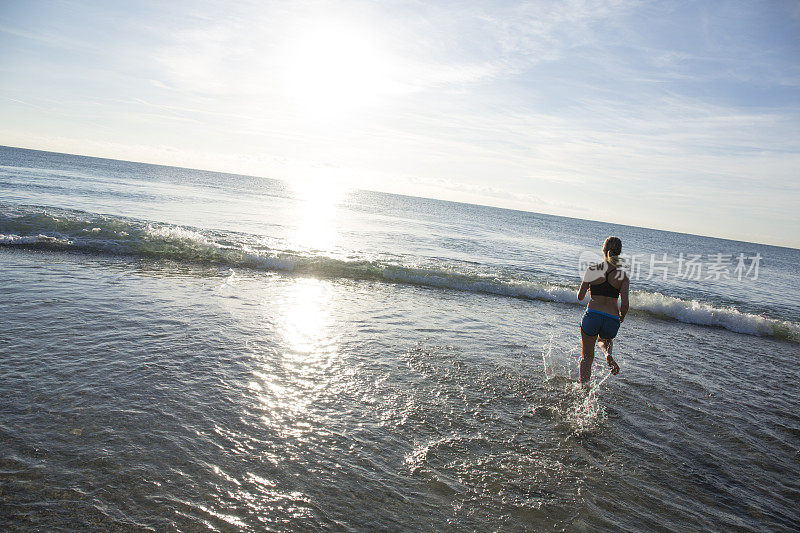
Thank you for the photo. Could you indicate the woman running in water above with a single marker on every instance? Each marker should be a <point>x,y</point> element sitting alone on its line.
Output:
<point>601,321</point>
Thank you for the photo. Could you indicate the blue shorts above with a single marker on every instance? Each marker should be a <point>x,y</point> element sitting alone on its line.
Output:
<point>600,323</point>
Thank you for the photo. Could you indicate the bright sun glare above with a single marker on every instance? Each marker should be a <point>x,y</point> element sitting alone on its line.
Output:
<point>317,212</point>
<point>334,68</point>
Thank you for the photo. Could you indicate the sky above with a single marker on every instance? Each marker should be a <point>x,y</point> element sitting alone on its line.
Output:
<point>682,116</point>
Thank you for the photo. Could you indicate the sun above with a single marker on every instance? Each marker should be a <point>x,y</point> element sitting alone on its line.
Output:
<point>332,68</point>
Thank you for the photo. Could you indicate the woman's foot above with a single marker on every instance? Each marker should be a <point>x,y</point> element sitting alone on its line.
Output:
<point>612,364</point>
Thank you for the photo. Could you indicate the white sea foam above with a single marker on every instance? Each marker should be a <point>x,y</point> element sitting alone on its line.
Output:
<point>32,239</point>
<point>273,263</point>
<point>177,233</point>
<point>704,314</point>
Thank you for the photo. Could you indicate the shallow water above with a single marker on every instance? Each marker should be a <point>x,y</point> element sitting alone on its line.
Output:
<point>166,382</point>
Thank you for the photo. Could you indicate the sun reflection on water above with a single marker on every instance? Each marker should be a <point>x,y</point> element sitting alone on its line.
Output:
<point>287,386</point>
<point>295,375</point>
<point>306,320</point>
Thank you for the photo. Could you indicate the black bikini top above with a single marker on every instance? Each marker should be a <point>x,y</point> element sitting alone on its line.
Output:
<point>605,288</point>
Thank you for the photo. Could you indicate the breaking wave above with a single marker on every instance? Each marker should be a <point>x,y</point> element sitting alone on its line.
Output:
<point>59,229</point>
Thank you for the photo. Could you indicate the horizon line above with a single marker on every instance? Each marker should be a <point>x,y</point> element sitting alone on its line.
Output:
<point>409,196</point>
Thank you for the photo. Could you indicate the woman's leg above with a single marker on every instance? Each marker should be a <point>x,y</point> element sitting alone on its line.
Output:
<point>606,345</point>
<point>587,357</point>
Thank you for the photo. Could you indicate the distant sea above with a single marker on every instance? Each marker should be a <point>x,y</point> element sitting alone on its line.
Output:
<point>189,350</point>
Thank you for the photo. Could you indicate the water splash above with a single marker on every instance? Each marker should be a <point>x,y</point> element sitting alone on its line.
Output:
<point>573,404</point>
<point>587,414</point>
<point>558,362</point>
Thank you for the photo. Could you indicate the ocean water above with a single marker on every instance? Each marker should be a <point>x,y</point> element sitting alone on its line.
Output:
<point>188,350</point>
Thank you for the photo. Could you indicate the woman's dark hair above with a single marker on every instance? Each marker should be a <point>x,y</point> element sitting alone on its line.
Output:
<point>612,247</point>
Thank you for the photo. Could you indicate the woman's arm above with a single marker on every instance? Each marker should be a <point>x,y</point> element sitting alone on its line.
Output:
<point>582,290</point>
<point>623,292</point>
<point>593,273</point>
